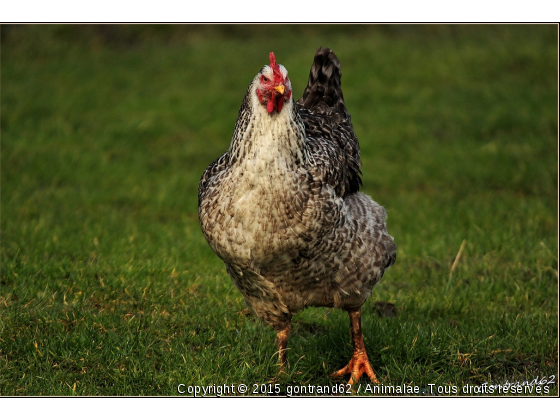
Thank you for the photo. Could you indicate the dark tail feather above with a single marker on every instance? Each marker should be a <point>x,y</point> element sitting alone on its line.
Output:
<point>324,82</point>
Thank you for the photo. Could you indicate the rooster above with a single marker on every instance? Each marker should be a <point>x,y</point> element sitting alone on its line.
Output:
<point>282,209</point>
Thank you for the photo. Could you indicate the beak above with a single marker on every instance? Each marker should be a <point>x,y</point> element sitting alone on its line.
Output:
<point>279,89</point>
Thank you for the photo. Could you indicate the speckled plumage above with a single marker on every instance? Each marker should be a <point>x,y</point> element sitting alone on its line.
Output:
<point>282,209</point>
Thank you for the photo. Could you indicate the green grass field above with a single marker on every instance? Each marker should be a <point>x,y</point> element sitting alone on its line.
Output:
<point>109,288</point>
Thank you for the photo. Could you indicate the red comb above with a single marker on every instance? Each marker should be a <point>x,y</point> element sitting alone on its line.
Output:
<point>272,59</point>
<point>275,68</point>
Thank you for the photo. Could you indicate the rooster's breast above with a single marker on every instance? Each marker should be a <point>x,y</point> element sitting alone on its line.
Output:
<point>257,217</point>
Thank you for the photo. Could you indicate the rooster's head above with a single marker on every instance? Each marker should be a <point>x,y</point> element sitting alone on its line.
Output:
<point>274,87</point>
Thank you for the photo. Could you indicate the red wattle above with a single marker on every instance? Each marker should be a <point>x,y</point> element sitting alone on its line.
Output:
<point>280,103</point>
<point>270,105</point>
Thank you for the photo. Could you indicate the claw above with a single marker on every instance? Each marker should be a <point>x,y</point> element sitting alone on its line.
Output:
<point>359,363</point>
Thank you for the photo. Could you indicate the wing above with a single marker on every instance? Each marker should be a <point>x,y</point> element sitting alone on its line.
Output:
<point>208,178</point>
<point>330,136</point>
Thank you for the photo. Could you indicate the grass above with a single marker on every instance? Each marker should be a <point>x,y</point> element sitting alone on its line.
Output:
<point>109,288</point>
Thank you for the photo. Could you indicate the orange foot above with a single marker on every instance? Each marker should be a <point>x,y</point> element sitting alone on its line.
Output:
<point>358,365</point>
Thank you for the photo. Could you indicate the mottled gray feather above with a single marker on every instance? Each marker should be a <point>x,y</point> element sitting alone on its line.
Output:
<point>282,209</point>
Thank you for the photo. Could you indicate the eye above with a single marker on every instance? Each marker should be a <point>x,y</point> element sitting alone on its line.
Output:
<point>265,79</point>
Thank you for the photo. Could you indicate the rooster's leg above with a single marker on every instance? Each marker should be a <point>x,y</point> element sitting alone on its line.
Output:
<point>359,363</point>
<point>282,340</point>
